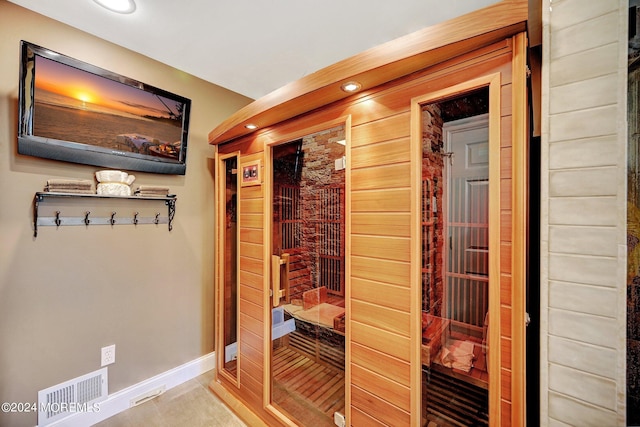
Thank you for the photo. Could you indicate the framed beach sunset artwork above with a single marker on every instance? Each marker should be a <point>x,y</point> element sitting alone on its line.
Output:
<point>73,111</point>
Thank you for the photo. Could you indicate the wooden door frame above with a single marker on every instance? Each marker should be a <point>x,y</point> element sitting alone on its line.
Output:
<point>493,83</point>
<point>518,171</point>
<point>279,138</point>
<point>220,270</point>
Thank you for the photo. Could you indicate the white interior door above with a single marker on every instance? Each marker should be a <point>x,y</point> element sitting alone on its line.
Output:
<point>467,220</point>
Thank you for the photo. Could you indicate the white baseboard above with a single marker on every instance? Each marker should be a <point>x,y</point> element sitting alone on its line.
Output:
<point>121,400</point>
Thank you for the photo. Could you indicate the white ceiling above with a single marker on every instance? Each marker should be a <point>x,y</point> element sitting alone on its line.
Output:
<point>253,46</point>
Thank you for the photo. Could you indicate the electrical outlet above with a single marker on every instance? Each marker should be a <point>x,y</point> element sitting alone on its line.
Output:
<point>108,355</point>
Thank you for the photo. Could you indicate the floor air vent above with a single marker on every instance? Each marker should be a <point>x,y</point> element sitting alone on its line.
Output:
<point>76,395</point>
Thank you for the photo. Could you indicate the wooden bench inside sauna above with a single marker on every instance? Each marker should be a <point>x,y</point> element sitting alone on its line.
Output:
<point>319,326</point>
<point>455,373</point>
<point>455,349</point>
<point>315,347</point>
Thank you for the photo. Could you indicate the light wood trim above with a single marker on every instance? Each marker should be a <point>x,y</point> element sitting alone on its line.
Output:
<point>271,139</point>
<point>384,294</point>
<point>388,319</point>
<point>495,362</point>
<point>382,153</point>
<point>267,189</point>
<point>416,259</point>
<point>238,407</point>
<point>380,385</point>
<point>381,224</point>
<point>347,273</point>
<point>383,247</point>
<point>285,134</point>
<point>385,413</point>
<point>220,251</point>
<point>519,186</point>
<point>274,411</point>
<point>534,24</point>
<point>493,82</point>
<point>379,65</point>
<point>393,368</point>
<point>385,201</point>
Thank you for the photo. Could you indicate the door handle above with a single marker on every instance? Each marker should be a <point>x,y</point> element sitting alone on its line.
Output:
<point>279,274</point>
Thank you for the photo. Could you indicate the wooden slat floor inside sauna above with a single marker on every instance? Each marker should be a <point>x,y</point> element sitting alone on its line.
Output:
<point>449,402</point>
<point>308,391</point>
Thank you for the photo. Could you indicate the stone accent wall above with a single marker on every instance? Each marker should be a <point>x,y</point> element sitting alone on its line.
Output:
<point>433,169</point>
<point>318,173</point>
<point>583,203</point>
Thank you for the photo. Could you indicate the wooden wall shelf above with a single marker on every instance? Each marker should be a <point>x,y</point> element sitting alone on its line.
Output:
<point>47,210</point>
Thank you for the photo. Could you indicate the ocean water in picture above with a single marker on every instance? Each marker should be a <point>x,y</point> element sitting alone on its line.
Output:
<point>76,106</point>
<point>103,129</point>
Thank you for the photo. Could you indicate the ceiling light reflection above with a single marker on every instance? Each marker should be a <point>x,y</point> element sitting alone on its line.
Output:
<point>118,6</point>
<point>351,86</point>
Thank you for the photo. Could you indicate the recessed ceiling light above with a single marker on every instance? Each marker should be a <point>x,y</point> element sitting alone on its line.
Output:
<point>118,6</point>
<point>251,126</point>
<point>351,86</point>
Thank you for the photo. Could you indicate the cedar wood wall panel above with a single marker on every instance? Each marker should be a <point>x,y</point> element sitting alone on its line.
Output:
<point>505,245</point>
<point>395,369</point>
<point>380,276</point>
<point>251,223</point>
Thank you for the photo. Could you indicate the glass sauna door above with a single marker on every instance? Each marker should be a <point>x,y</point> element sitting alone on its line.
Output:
<point>228,261</point>
<point>308,278</point>
<point>455,261</point>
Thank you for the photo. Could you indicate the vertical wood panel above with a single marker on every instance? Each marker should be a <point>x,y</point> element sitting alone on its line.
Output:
<point>392,272</point>
<point>505,289</point>
<point>393,248</point>
<point>379,409</point>
<point>384,294</point>
<point>251,345</point>
<point>519,205</point>
<point>384,201</point>
<point>505,351</point>
<point>381,317</point>
<point>250,280</point>
<point>380,340</point>
<point>393,392</point>
<point>381,224</point>
<point>251,250</point>
<point>383,176</point>
<point>386,129</point>
<point>384,153</point>
<point>376,361</point>
<point>360,418</point>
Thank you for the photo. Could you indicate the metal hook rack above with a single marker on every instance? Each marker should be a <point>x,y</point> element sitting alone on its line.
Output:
<point>58,218</point>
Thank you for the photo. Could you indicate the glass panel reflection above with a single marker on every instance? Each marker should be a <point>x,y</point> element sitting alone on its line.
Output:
<point>455,256</point>
<point>308,268</point>
<point>230,266</point>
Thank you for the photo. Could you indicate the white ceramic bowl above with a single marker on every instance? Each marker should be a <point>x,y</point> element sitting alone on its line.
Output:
<point>111,176</point>
<point>113,189</point>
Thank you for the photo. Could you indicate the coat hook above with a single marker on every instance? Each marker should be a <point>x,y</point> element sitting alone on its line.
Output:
<point>58,221</point>
<point>135,218</point>
<point>157,221</point>
<point>113,221</point>
<point>86,218</point>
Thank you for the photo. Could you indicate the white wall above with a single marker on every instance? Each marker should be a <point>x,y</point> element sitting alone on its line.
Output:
<point>72,290</point>
<point>583,230</point>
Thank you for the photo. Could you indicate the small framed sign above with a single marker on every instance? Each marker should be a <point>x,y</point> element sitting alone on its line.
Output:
<point>251,173</point>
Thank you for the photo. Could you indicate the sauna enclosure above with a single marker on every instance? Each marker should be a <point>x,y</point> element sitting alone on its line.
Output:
<point>371,251</point>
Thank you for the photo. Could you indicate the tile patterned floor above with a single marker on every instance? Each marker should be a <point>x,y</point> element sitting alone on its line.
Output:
<point>190,404</point>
